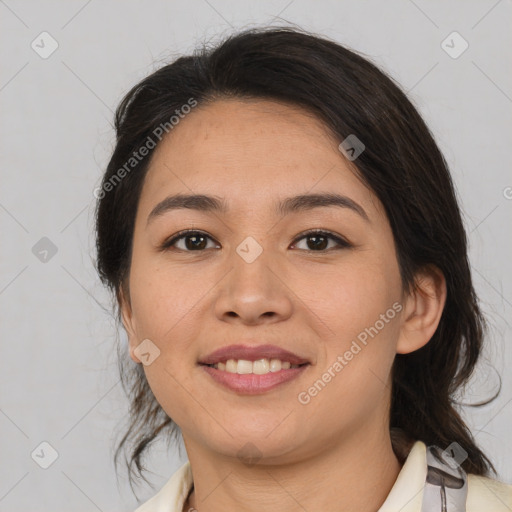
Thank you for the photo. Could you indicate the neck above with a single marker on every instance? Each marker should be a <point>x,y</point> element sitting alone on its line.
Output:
<point>356,474</point>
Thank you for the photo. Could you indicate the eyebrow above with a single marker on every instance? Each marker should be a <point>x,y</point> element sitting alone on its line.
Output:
<point>295,204</point>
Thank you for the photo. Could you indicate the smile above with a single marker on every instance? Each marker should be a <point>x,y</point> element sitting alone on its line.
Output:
<point>242,376</point>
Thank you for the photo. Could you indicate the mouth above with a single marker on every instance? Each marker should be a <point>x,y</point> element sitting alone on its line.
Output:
<point>253,370</point>
<point>252,383</point>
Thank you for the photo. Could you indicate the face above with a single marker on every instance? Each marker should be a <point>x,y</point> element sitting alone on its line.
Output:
<point>253,275</point>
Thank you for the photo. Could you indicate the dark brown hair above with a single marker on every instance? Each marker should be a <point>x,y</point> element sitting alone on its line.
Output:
<point>401,164</point>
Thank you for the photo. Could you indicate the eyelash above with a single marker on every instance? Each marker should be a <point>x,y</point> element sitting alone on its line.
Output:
<point>343,244</point>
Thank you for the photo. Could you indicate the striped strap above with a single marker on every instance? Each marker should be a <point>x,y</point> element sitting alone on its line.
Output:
<point>446,485</point>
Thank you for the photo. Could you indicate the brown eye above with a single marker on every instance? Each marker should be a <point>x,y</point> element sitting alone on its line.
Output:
<point>193,241</point>
<point>318,241</point>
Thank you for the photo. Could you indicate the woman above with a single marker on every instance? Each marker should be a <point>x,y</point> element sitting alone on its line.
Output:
<point>286,250</point>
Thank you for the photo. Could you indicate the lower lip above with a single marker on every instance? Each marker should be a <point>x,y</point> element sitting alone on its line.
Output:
<point>251,384</point>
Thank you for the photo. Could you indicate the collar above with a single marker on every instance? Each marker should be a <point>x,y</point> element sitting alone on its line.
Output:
<point>406,494</point>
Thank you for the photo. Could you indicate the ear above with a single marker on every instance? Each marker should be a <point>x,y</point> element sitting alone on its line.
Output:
<point>128,323</point>
<point>423,309</point>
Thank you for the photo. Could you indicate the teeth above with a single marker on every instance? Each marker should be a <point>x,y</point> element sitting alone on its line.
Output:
<point>244,367</point>
<point>231,366</point>
<point>259,367</point>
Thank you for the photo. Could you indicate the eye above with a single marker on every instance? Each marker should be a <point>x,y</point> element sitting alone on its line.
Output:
<point>194,241</point>
<point>320,240</point>
<point>198,241</point>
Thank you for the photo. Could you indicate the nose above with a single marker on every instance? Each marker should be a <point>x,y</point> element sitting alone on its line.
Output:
<point>255,290</point>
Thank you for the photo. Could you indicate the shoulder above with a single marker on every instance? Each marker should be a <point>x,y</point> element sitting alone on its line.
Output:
<point>488,494</point>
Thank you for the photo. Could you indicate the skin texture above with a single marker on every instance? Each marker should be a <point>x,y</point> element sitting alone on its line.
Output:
<point>333,453</point>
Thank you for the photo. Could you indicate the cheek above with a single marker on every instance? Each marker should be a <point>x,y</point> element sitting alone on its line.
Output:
<point>354,378</point>
<point>163,298</point>
<point>170,389</point>
<point>351,296</point>
<point>360,303</point>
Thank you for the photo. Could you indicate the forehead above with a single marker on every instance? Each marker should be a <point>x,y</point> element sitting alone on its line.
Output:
<point>227,130</point>
<point>248,151</point>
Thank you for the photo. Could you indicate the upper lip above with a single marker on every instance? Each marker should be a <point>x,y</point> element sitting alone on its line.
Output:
<point>252,354</point>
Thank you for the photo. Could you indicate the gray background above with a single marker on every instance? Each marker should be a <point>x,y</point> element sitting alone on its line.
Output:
<point>59,380</point>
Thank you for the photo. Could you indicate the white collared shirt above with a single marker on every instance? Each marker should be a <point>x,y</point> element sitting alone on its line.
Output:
<point>406,495</point>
